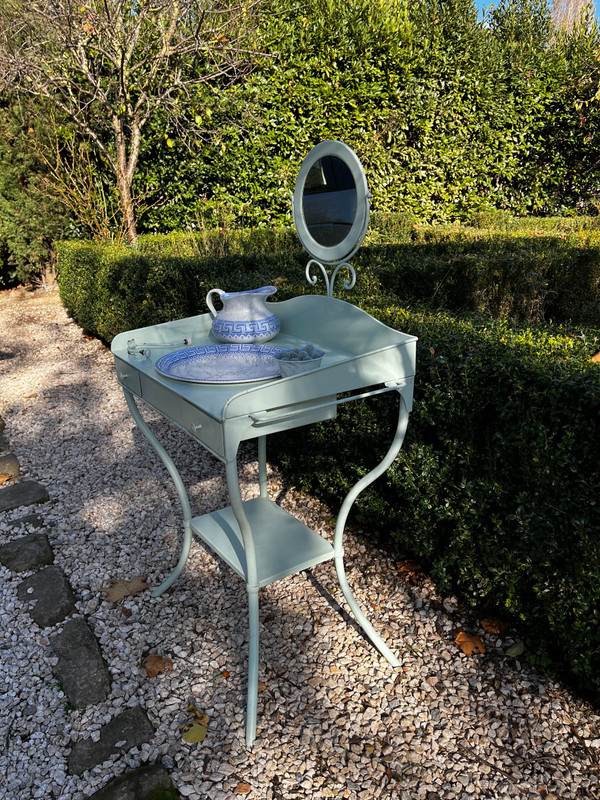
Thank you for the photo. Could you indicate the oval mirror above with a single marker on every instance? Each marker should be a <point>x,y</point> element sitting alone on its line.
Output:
<point>331,202</point>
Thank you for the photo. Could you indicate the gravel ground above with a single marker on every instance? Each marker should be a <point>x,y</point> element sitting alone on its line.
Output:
<point>335,720</point>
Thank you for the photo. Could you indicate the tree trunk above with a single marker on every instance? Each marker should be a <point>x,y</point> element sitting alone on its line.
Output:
<point>125,168</point>
<point>129,223</point>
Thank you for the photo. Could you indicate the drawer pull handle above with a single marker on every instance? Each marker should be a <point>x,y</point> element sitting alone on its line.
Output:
<point>123,376</point>
<point>196,426</point>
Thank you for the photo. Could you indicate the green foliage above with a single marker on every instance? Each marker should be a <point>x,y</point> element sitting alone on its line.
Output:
<point>29,219</point>
<point>108,288</point>
<point>494,489</point>
<point>450,117</point>
<point>529,270</point>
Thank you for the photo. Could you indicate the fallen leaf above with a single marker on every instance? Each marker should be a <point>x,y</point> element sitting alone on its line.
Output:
<point>411,571</point>
<point>120,589</point>
<point>4,477</point>
<point>596,358</point>
<point>155,664</point>
<point>261,687</point>
<point>469,643</point>
<point>408,565</point>
<point>195,730</point>
<point>127,612</point>
<point>242,788</point>
<point>516,650</point>
<point>495,626</point>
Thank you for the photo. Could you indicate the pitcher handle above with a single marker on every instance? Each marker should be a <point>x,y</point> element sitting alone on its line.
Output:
<point>209,302</point>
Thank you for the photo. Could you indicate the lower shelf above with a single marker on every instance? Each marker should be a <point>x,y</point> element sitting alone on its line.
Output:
<point>283,545</point>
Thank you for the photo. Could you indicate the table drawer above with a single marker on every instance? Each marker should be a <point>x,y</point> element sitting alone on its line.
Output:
<point>202,427</point>
<point>128,377</point>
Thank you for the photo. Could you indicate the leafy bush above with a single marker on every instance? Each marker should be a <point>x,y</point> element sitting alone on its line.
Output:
<point>451,116</point>
<point>29,218</point>
<point>495,486</point>
<point>522,272</point>
<point>494,489</point>
<point>108,288</point>
<point>541,270</point>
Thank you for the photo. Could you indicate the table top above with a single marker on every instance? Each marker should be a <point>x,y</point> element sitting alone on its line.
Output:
<point>359,350</point>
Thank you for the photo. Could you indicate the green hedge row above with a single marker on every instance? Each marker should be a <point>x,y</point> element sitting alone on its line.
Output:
<point>495,488</point>
<point>110,288</point>
<point>546,276</point>
<point>449,114</point>
<point>527,270</point>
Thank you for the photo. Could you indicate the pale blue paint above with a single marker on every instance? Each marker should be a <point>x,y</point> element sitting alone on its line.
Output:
<point>260,541</point>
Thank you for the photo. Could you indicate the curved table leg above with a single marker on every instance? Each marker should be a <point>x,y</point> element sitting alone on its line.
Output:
<point>180,488</point>
<point>341,524</point>
<point>235,497</point>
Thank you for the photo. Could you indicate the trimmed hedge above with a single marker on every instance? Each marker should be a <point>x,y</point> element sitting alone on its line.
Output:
<point>529,270</point>
<point>110,288</point>
<point>495,487</point>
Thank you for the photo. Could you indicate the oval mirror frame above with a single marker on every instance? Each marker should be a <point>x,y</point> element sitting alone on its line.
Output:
<point>353,239</point>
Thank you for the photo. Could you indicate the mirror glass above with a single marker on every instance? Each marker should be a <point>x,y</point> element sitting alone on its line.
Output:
<point>331,203</point>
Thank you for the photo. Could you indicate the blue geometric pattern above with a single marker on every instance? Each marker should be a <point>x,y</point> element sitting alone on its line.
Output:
<point>256,330</point>
<point>221,363</point>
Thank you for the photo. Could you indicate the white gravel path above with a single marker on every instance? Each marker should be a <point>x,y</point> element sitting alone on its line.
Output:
<point>334,720</point>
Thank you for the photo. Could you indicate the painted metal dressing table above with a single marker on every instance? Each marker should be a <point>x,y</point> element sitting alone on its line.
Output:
<point>260,541</point>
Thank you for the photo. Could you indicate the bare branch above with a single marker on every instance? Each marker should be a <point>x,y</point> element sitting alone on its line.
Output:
<point>568,13</point>
<point>110,65</point>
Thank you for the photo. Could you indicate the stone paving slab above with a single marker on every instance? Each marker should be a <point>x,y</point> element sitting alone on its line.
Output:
<point>146,783</point>
<point>80,669</point>
<point>33,520</point>
<point>53,595</point>
<point>130,728</point>
<point>25,493</point>
<point>27,553</point>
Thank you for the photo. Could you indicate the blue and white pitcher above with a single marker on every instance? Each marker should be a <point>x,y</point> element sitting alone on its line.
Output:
<point>244,317</point>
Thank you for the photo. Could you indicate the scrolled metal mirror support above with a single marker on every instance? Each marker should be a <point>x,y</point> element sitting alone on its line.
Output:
<point>349,283</point>
<point>331,211</point>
